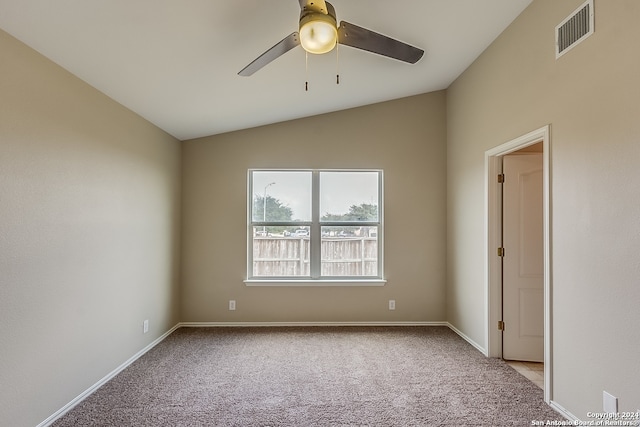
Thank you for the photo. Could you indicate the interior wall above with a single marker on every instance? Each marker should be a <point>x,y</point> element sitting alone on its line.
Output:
<point>405,138</point>
<point>590,98</point>
<point>89,208</point>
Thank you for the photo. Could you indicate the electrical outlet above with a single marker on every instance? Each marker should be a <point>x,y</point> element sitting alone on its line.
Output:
<point>232,304</point>
<point>609,403</point>
<point>145,326</point>
<point>392,304</point>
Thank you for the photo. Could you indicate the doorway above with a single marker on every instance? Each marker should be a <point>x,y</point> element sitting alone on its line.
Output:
<point>493,233</point>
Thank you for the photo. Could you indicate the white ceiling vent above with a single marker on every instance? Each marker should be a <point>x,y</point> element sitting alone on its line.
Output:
<point>574,29</point>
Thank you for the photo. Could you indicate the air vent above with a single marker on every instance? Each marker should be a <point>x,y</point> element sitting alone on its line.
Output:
<point>574,29</point>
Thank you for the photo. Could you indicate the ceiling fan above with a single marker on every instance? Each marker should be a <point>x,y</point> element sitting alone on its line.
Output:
<point>319,33</point>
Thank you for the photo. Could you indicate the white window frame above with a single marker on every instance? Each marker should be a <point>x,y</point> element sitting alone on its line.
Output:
<point>315,225</point>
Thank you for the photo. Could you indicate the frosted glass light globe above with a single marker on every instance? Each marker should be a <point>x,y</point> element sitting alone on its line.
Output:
<point>318,36</point>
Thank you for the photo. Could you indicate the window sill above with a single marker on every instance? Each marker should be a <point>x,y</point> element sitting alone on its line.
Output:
<point>314,282</point>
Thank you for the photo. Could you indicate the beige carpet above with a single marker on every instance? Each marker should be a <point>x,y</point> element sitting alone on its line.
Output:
<point>321,376</point>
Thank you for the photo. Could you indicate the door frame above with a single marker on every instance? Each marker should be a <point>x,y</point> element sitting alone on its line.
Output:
<point>493,238</point>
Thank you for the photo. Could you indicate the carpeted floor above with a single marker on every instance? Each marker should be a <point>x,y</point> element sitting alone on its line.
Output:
<point>316,376</point>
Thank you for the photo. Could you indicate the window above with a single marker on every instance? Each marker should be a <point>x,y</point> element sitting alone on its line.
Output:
<point>315,225</point>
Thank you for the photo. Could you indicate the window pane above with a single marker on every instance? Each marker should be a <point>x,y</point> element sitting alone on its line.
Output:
<point>349,251</point>
<point>288,196</point>
<point>349,196</point>
<point>277,252</point>
<point>314,224</point>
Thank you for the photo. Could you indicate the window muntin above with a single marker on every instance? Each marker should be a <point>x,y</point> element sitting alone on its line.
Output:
<point>317,225</point>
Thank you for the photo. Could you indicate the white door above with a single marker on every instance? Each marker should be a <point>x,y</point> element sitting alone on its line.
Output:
<point>523,260</point>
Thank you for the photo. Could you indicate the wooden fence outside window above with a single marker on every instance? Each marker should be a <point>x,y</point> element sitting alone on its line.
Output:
<point>289,256</point>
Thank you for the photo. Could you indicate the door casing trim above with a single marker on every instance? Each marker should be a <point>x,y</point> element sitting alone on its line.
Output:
<point>493,224</point>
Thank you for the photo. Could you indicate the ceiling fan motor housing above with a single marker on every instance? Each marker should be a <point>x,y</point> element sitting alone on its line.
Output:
<point>318,29</point>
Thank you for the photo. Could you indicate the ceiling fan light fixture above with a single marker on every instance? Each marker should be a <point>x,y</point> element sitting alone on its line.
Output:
<point>318,33</point>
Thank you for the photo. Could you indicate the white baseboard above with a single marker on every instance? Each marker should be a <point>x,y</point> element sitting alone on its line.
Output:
<point>298,324</point>
<point>559,409</point>
<point>467,339</point>
<point>66,408</point>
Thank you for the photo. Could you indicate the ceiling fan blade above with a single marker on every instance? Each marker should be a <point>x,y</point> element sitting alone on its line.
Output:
<point>361,38</point>
<point>282,47</point>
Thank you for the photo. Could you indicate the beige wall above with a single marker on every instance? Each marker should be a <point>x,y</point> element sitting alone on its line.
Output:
<point>89,222</point>
<point>89,208</point>
<point>405,138</point>
<point>590,97</point>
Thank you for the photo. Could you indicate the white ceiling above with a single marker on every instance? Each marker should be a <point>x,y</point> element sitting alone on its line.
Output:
<point>175,62</point>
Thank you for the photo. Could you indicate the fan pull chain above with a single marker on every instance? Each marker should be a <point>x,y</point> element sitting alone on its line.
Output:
<point>306,70</point>
<point>337,64</point>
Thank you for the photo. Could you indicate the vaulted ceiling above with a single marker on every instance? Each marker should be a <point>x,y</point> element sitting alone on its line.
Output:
<point>175,62</point>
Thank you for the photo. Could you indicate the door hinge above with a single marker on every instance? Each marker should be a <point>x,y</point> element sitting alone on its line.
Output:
<point>500,325</point>
<point>500,178</point>
<point>501,252</point>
